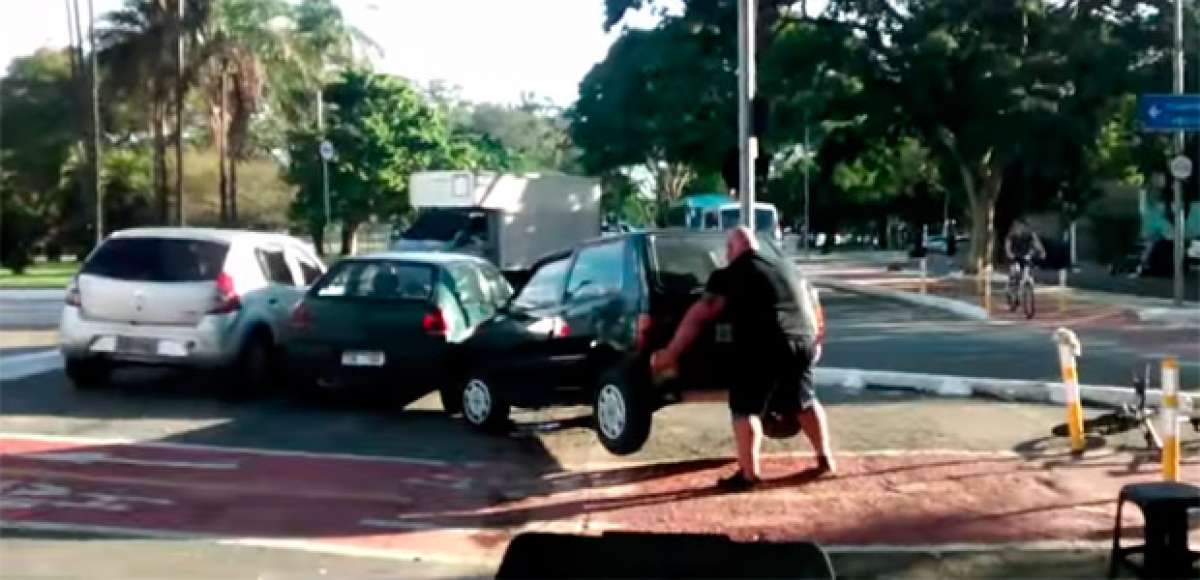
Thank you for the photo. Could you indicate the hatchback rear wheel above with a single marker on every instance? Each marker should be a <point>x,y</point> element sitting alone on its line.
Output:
<point>482,407</point>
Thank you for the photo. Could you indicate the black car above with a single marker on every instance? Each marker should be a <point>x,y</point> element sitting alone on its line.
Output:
<point>390,320</point>
<point>582,329</point>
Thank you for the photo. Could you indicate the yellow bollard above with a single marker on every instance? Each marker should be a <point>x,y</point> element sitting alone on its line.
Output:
<point>1068,349</point>
<point>924,272</point>
<point>987,289</point>
<point>1170,419</point>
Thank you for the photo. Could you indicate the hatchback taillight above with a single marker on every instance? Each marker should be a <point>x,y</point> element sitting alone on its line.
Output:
<point>644,324</point>
<point>74,298</point>
<point>227,299</point>
<point>434,324</point>
<point>302,317</point>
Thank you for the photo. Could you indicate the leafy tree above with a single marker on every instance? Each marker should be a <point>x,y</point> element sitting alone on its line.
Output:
<point>38,142</point>
<point>383,130</point>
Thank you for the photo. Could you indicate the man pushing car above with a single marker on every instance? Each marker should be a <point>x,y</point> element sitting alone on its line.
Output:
<point>772,336</point>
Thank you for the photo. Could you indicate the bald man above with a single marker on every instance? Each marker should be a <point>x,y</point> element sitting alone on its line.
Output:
<point>773,350</point>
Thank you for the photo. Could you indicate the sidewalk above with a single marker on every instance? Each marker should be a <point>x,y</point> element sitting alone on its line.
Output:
<point>1090,294</point>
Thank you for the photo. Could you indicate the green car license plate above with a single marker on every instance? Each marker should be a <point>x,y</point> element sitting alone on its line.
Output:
<point>363,358</point>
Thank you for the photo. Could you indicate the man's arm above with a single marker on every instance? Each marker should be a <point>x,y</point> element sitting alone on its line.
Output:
<point>698,317</point>
<point>1038,248</point>
<point>1008,250</point>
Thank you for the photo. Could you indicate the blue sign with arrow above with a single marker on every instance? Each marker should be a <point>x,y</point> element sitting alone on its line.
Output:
<point>1169,112</point>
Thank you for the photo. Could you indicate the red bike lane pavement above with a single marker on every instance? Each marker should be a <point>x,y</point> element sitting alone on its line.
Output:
<point>468,512</point>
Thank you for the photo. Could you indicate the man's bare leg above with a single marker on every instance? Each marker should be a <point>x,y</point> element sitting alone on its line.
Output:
<point>815,426</point>
<point>747,434</point>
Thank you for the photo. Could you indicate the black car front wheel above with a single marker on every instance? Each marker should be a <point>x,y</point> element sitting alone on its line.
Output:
<point>482,406</point>
<point>622,414</point>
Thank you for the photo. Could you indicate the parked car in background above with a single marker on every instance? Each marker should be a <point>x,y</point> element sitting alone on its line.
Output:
<point>190,297</point>
<point>582,329</point>
<point>388,321</point>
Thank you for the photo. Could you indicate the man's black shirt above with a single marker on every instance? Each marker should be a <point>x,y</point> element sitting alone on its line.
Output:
<point>761,304</point>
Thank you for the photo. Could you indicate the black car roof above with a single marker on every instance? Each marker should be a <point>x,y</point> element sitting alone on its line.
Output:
<point>659,232</point>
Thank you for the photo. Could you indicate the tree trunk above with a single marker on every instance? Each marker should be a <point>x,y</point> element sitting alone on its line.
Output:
<point>158,153</point>
<point>349,229</point>
<point>982,200</point>
<point>233,185</point>
<point>317,231</point>
<point>223,147</point>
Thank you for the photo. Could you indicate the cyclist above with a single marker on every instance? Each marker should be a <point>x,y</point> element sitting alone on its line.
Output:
<point>1022,246</point>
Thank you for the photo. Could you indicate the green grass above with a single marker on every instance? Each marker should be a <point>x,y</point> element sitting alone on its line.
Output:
<point>40,275</point>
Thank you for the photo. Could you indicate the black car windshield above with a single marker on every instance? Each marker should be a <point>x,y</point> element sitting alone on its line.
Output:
<point>158,260</point>
<point>378,280</point>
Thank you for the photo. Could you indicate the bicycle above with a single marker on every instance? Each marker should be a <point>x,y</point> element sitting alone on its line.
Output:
<point>1128,417</point>
<point>1020,289</point>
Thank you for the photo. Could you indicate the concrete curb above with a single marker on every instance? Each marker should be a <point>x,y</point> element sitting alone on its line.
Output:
<point>1023,391</point>
<point>956,307</point>
<point>26,365</point>
<point>46,293</point>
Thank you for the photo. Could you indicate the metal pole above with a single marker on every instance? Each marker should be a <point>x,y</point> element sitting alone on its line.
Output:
<point>181,213</point>
<point>1179,144</point>
<point>747,143</point>
<point>96,163</point>
<point>324,162</point>
<point>807,159</point>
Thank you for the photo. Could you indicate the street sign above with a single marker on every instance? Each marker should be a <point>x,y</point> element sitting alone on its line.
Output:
<point>1181,167</point>
<point>326,150</point>
<point>1169,112</point>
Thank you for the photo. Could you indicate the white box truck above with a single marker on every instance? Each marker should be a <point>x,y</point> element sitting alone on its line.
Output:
<point>511,220</point>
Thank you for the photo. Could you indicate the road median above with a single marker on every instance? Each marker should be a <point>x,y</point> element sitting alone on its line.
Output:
<point>955,307</point>
<point>1016,390</point>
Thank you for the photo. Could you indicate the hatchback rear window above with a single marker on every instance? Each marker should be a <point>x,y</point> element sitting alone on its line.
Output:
<point>158,260</point>
<point>684,263</point>
<point>380,280</point>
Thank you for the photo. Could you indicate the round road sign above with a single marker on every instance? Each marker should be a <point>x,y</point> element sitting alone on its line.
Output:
<point>326,150</point>
<point>1181,167</point>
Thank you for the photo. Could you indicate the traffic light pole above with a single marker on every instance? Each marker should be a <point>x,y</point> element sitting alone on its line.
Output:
<point>747,143</point>
<point>1177,196</point>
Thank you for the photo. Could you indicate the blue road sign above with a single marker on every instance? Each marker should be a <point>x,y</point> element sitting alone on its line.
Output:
<point>1169,112</point>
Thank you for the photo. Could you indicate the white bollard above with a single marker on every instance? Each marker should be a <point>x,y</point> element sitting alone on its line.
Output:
<point>1170,419</point>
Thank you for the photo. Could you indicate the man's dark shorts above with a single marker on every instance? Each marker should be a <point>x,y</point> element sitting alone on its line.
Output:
<point>783,379</point>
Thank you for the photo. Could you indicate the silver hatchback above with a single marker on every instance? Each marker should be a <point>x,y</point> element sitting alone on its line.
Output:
<point>190,297</point>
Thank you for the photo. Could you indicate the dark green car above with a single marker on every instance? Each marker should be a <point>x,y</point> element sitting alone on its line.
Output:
<point>388,321</point>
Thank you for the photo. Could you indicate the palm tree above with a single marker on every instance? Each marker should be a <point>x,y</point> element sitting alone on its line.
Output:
<point>262,53</point>
<point>137,47</point>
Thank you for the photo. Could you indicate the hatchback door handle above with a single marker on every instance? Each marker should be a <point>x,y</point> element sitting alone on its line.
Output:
<point>273,301</point>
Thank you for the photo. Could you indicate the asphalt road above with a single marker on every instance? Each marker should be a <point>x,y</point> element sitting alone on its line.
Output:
<point>879,334</point>
<point>178,408</point>
<point>30,309</point>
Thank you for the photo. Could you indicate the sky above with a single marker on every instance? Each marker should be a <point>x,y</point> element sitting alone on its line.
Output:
<point>493,49</point>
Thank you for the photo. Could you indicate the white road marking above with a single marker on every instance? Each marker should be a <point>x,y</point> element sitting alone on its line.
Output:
<point>39,494</point>
<point>85,440</point>
<point>89,457</point>
<point>21,366</point>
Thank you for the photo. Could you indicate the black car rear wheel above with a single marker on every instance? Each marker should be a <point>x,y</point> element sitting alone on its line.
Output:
<point>482,406</point>
<point>622,413</point>
<point>88,374</point>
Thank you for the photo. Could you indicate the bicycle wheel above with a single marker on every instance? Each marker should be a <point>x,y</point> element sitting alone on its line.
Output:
<point>1026,299</point>
<point>1106,424</point>
<point>1010,295</point>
